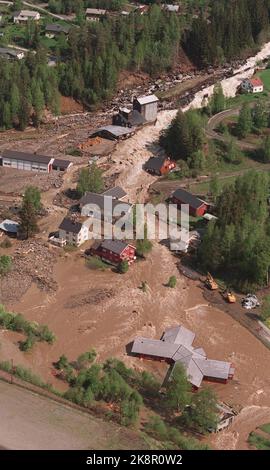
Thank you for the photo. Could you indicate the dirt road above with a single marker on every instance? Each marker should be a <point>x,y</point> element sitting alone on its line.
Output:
<point>129,157</point>
<point>32,422</point>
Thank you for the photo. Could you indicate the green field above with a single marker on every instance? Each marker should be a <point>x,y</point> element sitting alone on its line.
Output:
<point>260,442</point>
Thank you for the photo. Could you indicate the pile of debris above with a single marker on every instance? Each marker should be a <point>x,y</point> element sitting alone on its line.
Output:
<point>32,262</point>
<point>250,301</point>
<point>92,297</point>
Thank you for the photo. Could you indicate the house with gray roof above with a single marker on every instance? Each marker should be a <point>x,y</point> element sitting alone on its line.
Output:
<point>55,29</point>
<point>95,14</point>
<point>103,206</point>
<point>147,106</point>
<point>10,53</point>
<point>73,232</point>
<point>114,132</point>
<point>23,16</point>
<point>116,193</point>
<point>175,347</point>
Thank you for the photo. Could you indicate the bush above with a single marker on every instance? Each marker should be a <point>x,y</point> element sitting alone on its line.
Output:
<point>85,359</point>
<point>96,263</point>
<point>6,243</point>
<point>123,267</point>
<point>75,152</point>
<point>5,264</point>
<point>33,330</point>
<point>172,282</point>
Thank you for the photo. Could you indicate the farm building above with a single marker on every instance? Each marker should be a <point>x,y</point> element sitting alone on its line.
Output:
<point>55,29</point>
<point>27,161</point>
<point>9,227</point>
<point>226,415</point>
<point>94,14</point>
<point>104,205</point>
<point>32,162</point>
<point>73,232</point>
<point>9,53</point>
<point>159,165</point>
<point>175,346</point>
<point>24,16</point>
<point>114,251</point>
<point>147,107</point>
<point>61,165</point>
<point>253,85</point>
<point>197,207</point>
<point>128,118</point>
<point>114,132</point>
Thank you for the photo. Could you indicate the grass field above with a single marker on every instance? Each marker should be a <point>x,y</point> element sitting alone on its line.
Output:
<point>260,442</point>
<point>266,428</point>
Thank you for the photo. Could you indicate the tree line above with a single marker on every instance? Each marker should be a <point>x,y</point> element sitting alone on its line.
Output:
<point>237,245</point>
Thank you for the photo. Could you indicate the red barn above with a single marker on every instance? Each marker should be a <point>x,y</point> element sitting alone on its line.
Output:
<point>197,207</point>
<point>159,165</point>
<point>114,251</point>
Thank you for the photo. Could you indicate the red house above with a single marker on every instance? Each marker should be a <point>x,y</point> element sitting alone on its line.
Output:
<point>159,165</point>
<point>197,207</point>
<point>114,251</point>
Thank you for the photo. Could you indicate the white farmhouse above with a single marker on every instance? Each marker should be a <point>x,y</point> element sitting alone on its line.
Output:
<point>25,15</point>
<point>73,232</point>
<point>252,85</point>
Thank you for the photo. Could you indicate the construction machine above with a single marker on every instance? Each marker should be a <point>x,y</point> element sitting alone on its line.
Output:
<point>230,297</point>
<point>210,282</point>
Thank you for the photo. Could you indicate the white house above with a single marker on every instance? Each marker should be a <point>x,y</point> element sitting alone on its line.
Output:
<point>25,15</point>
<point>74,232</point>
<point>94,14</point>
<point>252,85</point>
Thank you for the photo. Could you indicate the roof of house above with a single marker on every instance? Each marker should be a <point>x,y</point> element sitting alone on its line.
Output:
<point>29,157</point>
<point>95,11</point>
<point>57,28</point>
<point>117,192</point>
<point>172,8</point>
<point>69,225</point>
<point>147,99</point>
<point>10,51</point>
<point>178,335</point>
<point>31,13</point>
<point>155,163</point>
<point>256,81</point>
<point>9,226</point>
<point>187,198</point>
<point>116,131</point>
<point>115,246</point>
<point>61,163</point>
<point>176,345</point>
<point>100,199</point>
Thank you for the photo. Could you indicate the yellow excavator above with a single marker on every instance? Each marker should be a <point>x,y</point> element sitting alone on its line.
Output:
<point>229,296</point>
<point>210,282</point>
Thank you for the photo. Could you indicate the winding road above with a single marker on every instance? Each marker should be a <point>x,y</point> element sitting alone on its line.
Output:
<point>217,119</point>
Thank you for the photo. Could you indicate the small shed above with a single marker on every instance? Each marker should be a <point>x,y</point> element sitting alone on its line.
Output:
<point>61,165</point>
<point>9,227</point>
<point>147,107</point>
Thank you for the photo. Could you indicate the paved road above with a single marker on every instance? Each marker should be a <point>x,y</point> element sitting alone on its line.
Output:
<point>29,421</point>
<point>215,120</point>
<point>44,10</point>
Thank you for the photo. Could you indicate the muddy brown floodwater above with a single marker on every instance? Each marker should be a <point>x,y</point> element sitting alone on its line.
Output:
<point>106,311</point>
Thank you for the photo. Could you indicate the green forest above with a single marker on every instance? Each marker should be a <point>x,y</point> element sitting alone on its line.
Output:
<point>90,60</point>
